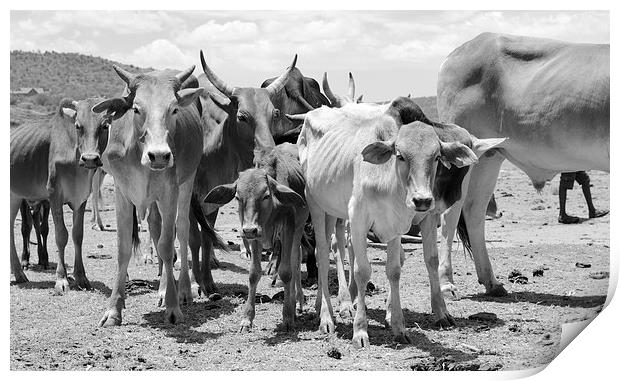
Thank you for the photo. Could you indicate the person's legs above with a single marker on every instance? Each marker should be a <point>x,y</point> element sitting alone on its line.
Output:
<point>567,179</point>
<point>584,180</point>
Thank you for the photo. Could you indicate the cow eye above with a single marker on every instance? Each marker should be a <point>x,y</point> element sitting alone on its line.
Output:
<point>136,111</point>
<point>265,197</point>
<point>77,126</point>
<point>400,157</point>
<point>175,111</point>
<point>242,117</point>
<point>105,125</point>
<point>276,113</point>
<point>237,198</point>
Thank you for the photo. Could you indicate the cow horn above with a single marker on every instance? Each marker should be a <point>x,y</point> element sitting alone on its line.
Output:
<point>351,88</point>
<point>126,76</point>
<point>218,83</point>
<point>328,92</point>
<point>300,98</point>
<point>182,76</point>
<point>279,83</point>
<point>297,117</point>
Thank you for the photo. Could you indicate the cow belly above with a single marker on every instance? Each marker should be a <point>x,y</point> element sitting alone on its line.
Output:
<point>332,198</point>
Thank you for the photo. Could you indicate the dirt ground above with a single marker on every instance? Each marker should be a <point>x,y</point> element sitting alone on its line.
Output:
<point>50,332</point>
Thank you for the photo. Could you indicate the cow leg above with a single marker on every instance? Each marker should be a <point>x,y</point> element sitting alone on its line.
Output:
<point>362,276</point>
<point>296,266</point>
<point>16,267</point>
<point>185,286</point>
<point>77,233</point>
<point>393,311</point>
<point>96,196</point>
<point>27,223</point>
<point>255,274</point>
<point>344,296</point>
<point>194,247</point>
<point>449,222</point>
<point>165,249</point>
<point>323,304</point>
<point>352,285</point>
<point>481,186</point>
<point>211,218</point>
<point>208,285</point>
<point>285,273</point>
<point>42,228</point>
<point>154,221</point>
<point>62,236</point>
<point>124,224</point>
<point>429,245</point>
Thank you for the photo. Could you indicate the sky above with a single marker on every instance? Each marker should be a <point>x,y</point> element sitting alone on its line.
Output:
<point>390,53</point>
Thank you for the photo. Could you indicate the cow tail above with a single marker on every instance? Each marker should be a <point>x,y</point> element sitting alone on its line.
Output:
<point>135,234</point>
<point>205,226</point>
<point>463,234</point>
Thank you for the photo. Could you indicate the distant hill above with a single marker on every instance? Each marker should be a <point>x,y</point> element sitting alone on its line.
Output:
<point>71,75</point>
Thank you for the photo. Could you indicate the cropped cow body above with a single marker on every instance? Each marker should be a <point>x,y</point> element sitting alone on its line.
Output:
<point>550,98</point>
<point>361,159</point>
<point>54,159</point>
<point>272,213</point>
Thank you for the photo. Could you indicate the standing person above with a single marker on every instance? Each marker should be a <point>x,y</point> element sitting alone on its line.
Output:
<point>567,180</point>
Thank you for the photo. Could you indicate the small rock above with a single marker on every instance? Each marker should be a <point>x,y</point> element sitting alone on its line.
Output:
<point>546,340</point>
<point>370,287</point>
<point>141,359</point>
<point>234,229</point>
<point>99,246</point>
<point>539,207</point>
<point>514,327</point>
<point>491,366</point>
<point>515,276</point>
<point>484,316</point>
<point>583,265</point>
<point>538,272</point>
<point>599,275</point>
<point>334,353</point>
<point>107,354</point>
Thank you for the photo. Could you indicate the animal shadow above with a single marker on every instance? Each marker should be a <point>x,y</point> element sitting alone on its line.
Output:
<point>542,299</point>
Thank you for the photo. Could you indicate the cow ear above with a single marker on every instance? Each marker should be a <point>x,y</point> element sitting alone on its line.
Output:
<point>286,195</point>
<point>222,194</point>
<point>457,153</point>
<point>480,146</point>
<point>379,152</point>
<point>68,112</point>
<point>114,107</point>
<point>187,96</point>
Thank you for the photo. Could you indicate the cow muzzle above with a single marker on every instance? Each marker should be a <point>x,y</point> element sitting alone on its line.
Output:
<point>159,159</point>
<point>252,232</point>
<point>90,160</point>
<point>422,203</point>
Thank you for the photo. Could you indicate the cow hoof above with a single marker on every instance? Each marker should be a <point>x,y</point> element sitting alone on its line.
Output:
<point>25,265</point>
<point>195,290</point>
<point>96,226</point>
<point>62,286</point>
<point>445,322</point>
<point>173,315</point>
<point>246,326</point>
<point>360,340</point>
<point>347,310</point>
<point>208,288</point>
<point>450,292</point>
<point>111,318</point>
<point>185,298</point>
<point>81,282</point>
<point>21,277</point>
<point>403,338</point>
<point>497,290</point>
<point>44,265</point>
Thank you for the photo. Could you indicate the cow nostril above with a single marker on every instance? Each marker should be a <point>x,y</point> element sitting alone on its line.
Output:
<point>422,202</point>
<point>166,156</point>
<point>151,156</point>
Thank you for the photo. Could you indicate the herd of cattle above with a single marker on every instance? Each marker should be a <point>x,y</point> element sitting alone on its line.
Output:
<point>179,147</point>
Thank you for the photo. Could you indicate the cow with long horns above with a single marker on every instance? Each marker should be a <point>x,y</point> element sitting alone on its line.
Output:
<point>154,150</point>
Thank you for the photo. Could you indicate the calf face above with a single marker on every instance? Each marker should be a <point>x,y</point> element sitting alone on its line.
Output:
<point>259,197</point>
<point>417,150</point>
<point>155,102</point>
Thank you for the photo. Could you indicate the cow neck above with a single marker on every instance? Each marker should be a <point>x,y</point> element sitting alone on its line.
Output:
<point>63,140</point>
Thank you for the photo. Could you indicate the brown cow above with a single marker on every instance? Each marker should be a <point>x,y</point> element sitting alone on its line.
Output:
<point>55,159</point>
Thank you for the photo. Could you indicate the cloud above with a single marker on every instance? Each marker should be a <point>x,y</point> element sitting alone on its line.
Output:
<point>159,54</point>
<point>223,33</point>
<point>118,22</point>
